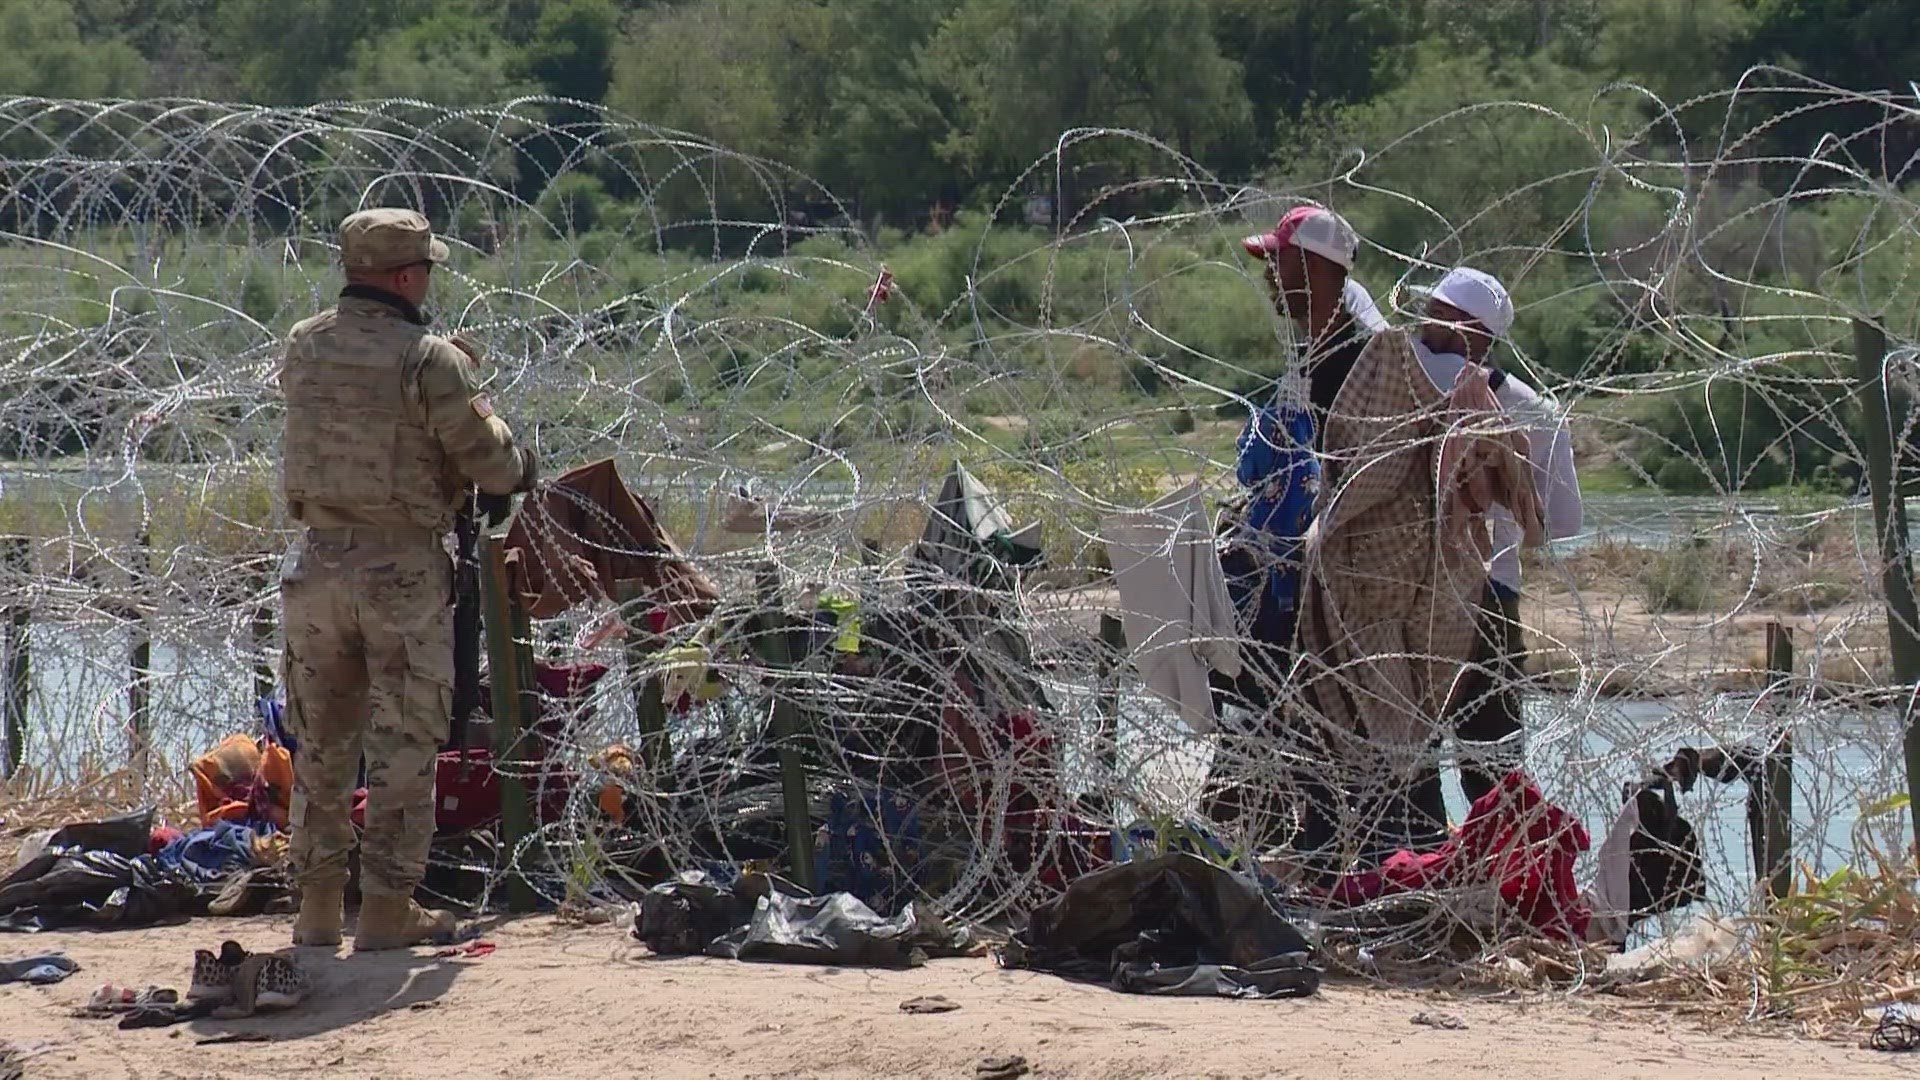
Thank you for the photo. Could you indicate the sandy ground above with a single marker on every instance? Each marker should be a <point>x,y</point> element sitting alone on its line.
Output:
<point>558,1001</point>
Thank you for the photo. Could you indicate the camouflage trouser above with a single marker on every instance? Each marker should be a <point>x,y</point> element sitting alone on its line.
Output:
<point>369,667</point>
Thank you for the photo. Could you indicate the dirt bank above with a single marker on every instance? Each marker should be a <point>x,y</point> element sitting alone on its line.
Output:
<point>581,1002</point>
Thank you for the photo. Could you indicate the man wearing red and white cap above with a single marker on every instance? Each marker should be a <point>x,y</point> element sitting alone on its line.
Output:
<point>1467,313</point>
<point>1309,256</point>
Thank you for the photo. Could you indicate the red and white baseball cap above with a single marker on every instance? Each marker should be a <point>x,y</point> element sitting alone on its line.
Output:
<point>1477,293</point>
<point>1309,228</point>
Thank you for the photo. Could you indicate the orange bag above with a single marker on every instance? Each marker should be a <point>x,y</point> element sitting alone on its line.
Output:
<point>241,778</point>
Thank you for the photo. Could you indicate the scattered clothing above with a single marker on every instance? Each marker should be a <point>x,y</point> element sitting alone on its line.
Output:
<point>109,998</point>
<point>927,1006</point>
<point>472,950</point>
<point>1172,925</point>
<point>1650,861</point>
<point>212,854</point>
<point>1443,1021</point>
<point>682,917</point>
<point>1610,897</point>
<point>1179,620</point>
<point>128,835</point>
<point>244,780</point>
<point>762,918</point>
<point>874,849</point>
<point>1549,451</point>
<point>1898,1031</point>
<point>585,533</point>
<point>1393,585</point>
<point>968,523</point>
<point>261,890</point>
<point>97,875</point>
<point>1515,842</point>
<point>37,970</point>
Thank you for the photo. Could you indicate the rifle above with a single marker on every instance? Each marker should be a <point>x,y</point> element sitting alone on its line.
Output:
<point>466,622</point>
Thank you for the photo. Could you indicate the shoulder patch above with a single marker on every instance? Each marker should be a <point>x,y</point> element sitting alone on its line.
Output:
<point>481,406</point>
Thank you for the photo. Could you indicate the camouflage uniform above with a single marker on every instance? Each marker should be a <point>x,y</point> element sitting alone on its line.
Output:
<point>385,427</point>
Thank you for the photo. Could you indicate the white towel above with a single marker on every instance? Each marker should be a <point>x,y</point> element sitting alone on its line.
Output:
<point>1178,617</point>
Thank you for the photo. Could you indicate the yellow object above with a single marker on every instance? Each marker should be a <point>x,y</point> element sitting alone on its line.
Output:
<point>846,614</point>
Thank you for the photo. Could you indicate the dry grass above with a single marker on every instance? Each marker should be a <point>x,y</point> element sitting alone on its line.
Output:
<point>28,806</point>
<point>1817,961</point>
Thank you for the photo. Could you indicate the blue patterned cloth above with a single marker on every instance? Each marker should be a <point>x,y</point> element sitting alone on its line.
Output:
<point>874,849</point>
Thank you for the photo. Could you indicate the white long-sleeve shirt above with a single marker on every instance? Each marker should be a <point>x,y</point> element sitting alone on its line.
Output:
<point>1549,450</point>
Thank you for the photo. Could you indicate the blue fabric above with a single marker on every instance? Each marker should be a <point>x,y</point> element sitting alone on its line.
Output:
<point>1502,592</point>
<point>1277,463</point>
<point>1140,840</point>
<point>210,854</point>
<point>874,849</point>
<point>273,717</point>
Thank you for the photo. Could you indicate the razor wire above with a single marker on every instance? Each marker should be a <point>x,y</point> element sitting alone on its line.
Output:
<point>788,386</point>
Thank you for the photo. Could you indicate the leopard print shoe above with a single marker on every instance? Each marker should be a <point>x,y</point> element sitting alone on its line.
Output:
<point>263,981</point>
<point>213,974</point>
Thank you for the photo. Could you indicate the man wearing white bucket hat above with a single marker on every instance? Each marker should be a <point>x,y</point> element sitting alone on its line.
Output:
<point>1467,313</point>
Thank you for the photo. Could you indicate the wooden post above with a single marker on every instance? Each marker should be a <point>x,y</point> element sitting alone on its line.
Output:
<point>1113,655</point>
<point>649,694</point>
<point>140,658</point>
<point>16,560</point>
<point>1770,794</point>
<point>770,632</point>
<point>1882,401</point>
<point>510,666</point>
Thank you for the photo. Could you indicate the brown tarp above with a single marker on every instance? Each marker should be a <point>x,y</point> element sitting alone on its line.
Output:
<point>586,534</point>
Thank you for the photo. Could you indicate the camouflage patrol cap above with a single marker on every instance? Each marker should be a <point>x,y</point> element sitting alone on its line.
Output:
<point>388,238</point>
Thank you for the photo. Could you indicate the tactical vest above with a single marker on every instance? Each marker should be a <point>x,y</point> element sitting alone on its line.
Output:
<point>356,437</point>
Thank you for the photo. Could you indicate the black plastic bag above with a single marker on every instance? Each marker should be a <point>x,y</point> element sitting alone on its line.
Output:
<point>127,836</point>
<point>1175,924</point>
<point>682,917</point>
<point>838,929</point>
<point>96,874</point>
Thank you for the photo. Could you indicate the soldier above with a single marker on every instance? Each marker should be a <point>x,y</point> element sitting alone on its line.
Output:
<point>386,428</point>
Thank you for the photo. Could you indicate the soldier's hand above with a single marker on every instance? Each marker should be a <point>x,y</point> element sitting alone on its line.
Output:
<point>529,469</point>
<point>467,345</point>
<point>495,508</point>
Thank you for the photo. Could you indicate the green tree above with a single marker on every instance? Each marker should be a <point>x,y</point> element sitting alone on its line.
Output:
<point>1677,50</point>
<point>733,71</point>
<point>888,114</point>
<point>456,55</point>
<point>46,54</point>
<point>571,53</point>
<point>1294,53</point>
<point>1023,73</point>
<point>297,53</point>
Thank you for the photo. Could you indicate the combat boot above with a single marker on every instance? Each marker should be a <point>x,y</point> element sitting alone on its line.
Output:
<point>396,922</point>
<point>322,911</point>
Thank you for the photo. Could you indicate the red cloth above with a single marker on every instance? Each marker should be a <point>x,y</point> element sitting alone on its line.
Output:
<point>161,836</point>
<point>1513,837</point>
